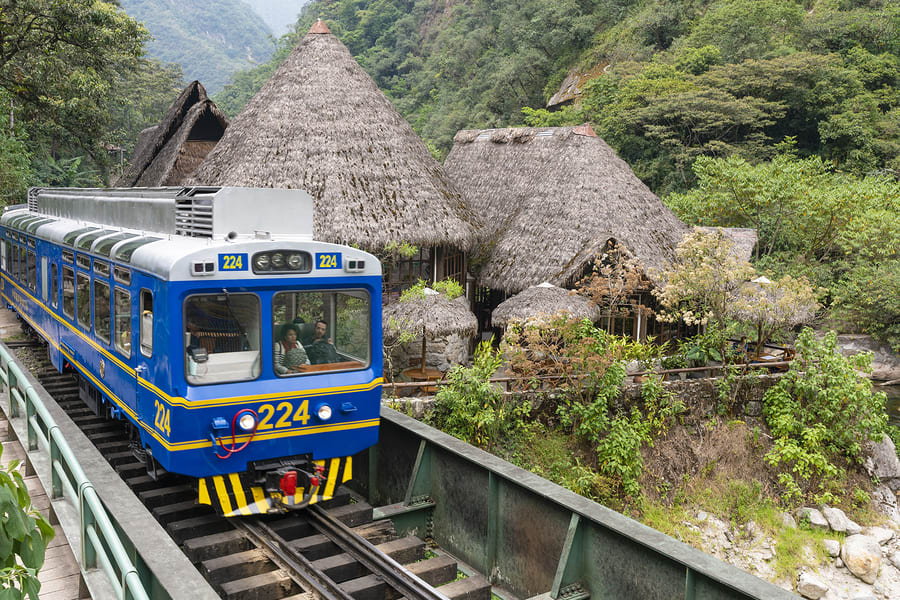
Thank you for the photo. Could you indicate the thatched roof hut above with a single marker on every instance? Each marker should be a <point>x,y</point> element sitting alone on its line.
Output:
<point>168,153</point>
<point>433,311</point>
<point>321,124</point>
<point>550,199</point>
<point>544,300</point>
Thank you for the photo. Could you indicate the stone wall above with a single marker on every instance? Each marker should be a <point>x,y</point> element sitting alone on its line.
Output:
<point>442,353</point>
<point>700,396</point>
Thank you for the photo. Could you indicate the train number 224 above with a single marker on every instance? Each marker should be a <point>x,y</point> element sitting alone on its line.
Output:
<point>162,418</point>
<point>284,413</point>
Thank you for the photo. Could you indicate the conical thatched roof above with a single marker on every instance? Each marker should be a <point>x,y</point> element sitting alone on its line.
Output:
<point>550,199</point>
<point>544,300</point>
<point>441,316</point>
<point>168,153</point>
<point>321,124</point>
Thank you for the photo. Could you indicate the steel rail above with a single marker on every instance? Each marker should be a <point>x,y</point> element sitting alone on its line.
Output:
<point>297,566</point>
<point>385,567</point>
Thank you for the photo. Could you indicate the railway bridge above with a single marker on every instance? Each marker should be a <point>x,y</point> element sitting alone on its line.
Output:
<point>425,516</point>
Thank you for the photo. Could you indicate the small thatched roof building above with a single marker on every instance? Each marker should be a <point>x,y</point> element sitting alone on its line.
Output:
<point>321,124</point>
<point>544,302</point>
<point>550,199</point>
<point>168,153</point>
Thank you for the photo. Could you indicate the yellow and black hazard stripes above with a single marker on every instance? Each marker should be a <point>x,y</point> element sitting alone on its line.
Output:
<point>231,496</point>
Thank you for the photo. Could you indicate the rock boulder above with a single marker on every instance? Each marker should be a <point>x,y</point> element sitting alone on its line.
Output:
<point>862,556</point>
<point>811,586</point>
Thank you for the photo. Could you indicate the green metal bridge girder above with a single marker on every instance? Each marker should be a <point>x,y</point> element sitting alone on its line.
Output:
<point>528,535</point>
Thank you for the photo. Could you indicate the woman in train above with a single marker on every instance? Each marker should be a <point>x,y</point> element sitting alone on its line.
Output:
<point>289,354</point>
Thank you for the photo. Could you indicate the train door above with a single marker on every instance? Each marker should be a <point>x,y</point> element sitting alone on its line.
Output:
<point>144,351</point>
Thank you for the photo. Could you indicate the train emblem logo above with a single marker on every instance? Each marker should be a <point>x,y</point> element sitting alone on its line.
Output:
<point>102,368</point>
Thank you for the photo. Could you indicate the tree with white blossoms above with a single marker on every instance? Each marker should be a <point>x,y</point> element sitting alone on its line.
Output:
<point>710,286</point>
<point>774,306</point>
<point>702,281</point>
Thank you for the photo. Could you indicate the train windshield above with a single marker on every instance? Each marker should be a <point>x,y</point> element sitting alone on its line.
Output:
<point>321,331</point>
<point>221,338</point>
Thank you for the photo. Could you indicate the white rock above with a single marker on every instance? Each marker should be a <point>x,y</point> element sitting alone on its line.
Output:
<point>862,555</point>
<point>838,563</point>
<point>788,521</point>
<point>815,518</point>
<point>839,521</point>
<point>832,547</point>
<point>810,586</point>
<point>887,465</point>
<point>895,559</point>
<point>886,501</point>
<point>701,516</point>
<point>882,534</point>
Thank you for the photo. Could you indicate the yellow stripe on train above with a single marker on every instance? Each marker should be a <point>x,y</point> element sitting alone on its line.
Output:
<point>231,496</point>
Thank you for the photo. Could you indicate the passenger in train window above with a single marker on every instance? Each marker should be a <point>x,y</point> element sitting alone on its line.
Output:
<point>289,355</point>
<point>320,348</point>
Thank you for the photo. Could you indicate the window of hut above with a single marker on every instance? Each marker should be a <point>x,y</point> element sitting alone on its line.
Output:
<point>401,273</point>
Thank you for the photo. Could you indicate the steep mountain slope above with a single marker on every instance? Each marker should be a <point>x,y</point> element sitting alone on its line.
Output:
<point>210,39</point>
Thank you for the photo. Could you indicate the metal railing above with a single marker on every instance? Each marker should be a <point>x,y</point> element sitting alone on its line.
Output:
<point>101,546</point>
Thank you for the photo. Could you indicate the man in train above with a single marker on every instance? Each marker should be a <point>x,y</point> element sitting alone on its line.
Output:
<point>320,348</point>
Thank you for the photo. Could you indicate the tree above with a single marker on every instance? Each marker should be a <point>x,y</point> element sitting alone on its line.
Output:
<point>702,282</point>
<point>57,61</point>
<point>616,277</point>
<point>774,307</point>
<point>15,170</point>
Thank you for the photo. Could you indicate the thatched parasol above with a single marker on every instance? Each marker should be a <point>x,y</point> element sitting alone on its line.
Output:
<point>321,124</point>
<point>167,153</point>
<point>544,300</point>
<point>550,199</point>
<point>433,314</point>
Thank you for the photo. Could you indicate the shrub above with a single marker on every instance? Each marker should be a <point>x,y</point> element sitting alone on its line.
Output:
<point>821,412</point>
<point>472,409</point>
<point>24,535</point>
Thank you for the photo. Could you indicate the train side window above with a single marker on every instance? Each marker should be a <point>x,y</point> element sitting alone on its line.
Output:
<point>101,310</point>
<point>45,283</point>
<point>83,300</point>
<point>31,262</point>
<point>122,320</point>
<point>146,322</point>
<point>20,262</point>
<point>68,292</point>
<point>4,245</point>
<point>54,285</point>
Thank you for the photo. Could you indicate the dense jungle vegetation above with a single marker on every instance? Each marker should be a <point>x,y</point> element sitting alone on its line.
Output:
<point>781,116</point>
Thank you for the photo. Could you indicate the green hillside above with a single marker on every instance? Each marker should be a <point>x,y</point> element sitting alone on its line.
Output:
<point>685,78</point>
<point>210,39</point>
<point>779,115</point>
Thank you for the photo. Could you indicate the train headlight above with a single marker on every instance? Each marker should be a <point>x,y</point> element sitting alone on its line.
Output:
<point>247,422</point>
<point>295,261</point>
<point>282,262</point>
<point>262,262</point>
<point>324,412</point>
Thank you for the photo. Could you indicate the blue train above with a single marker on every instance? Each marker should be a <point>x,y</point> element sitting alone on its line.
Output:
<point>242,352</point>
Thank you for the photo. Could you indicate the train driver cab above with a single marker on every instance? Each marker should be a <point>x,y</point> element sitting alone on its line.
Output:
<point>320,331</point>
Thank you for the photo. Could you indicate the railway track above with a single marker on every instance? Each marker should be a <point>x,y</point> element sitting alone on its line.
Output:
<point>333,551</point>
